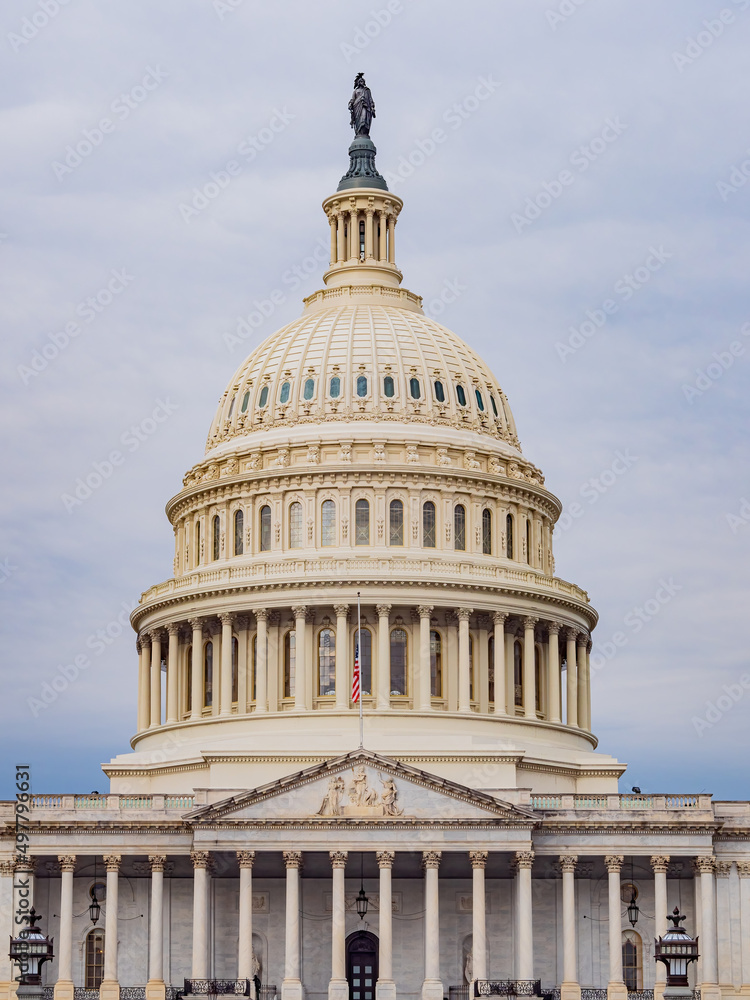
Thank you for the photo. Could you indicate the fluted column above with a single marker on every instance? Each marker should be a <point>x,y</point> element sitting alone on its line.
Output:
<point>385,988</point>
<point>110,987</point>
<point>432,987</point>
<point>64,985</point>
<point>173,653</point>
<point>424,683</point>
<point>553,661</point>
<point>246,860</point>
<point>570,988</point>
<point>369,247</point>
<point>615,987</point>
<point>464,660</point>
<point>201,864</point>
<point>743,870</point>
<point>291,987</point>
<point>225,677</point>
<point>391,239</point>
<point>353,235</point>
<point>156,987</point>
<point>300,666</point>
<point>261,661</point>
<point>340,238</point>
<point>659,865</point>
<point>155,699</point>
<point>725,917</point>
<point>524,916</point>
<point>384,657</point>
<point>587,687</point>
<point>501,706</point>
<point>338,988</point>
<point>333,224</point>
<point>196,669</point>
<point>343,680</point>
<point>144,682</point>
<point>478,913</point>
<point>383,253</point>
<point>529,673</point>
<point>582,643</point>
<point>709,986</point>
<point>572,679</point>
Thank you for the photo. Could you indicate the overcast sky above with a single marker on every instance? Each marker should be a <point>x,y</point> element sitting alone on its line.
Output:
<point>585,193</point>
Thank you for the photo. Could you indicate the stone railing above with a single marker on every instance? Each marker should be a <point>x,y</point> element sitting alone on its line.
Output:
<point>507,987</point>
<point>107,803</point>
<point>550,803</point>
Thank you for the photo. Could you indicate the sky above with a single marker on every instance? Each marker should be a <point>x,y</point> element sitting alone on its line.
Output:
<point>575,179</point>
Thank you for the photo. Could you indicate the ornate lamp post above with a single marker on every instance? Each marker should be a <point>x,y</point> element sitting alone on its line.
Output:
<point>29,951</point>
<point>676,949</point>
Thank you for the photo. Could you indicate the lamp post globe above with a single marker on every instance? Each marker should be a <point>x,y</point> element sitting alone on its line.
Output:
<point>676,950</point>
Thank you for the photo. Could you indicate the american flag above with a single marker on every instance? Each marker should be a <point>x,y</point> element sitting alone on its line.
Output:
<point>355,675</point>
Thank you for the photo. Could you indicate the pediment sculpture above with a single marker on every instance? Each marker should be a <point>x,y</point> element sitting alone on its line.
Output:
<point>358,798</point>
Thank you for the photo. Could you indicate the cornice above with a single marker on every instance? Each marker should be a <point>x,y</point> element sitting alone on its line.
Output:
<point>633,828</point>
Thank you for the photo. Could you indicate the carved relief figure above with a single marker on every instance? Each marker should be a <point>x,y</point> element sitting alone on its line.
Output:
<point>359,793</point>
<point>332,802</point>
<point>388,798</point>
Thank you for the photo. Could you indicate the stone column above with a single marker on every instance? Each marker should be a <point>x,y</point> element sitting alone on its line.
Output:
<point>570,988</point>
<point>529,673</point>
<point>391,240</point>
<point>291,987</point>
<point>615,987</point>
<point>553,665</point>
<point>383,254</point>
<point>225,675</point>
<point>432,987</point>
<point>464,664</point>
<point>587,720</point>
<point>110,987</point>
<point>338,987</point>
<point>173,653</point>
<point>425,670</point>
<point>144,682</point>
<point>343,680</point>
<point>659,865</point>
<point>196,670</point>
<point>724,920</point>
<point>478,914</point>
<point>353,235</point>
<point>743,870</point>
<point>261,661</point>
<point>524,918</point>
<point>384,657</point>
<point>572,680</point>
<point>155,713</point>
<point>64,985</point>
<point>23,888</point>
<point>246,859</point>
<point>201,862</point>
<point>369,248</point>
<point>385,988</point>
<point>709,986</point>
<point>583,641</point>
<point>341,239</point>
<point>7,923</point>
<point>300,671</point>
<point>334,249</point>
<point>501,706</point>
<point>155,987</point>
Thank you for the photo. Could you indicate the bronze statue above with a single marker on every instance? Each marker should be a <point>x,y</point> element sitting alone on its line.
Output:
<point>361,106</point>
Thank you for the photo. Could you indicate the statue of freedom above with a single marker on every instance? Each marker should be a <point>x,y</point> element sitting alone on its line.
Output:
<point>361,106</point>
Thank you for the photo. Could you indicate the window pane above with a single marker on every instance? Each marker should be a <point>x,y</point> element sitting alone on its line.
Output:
<point>365,660</point>
<point>439,392</point>
<point>414,388</point>
<point>231,408</point>
<point>94,959</point>
<point>509,536</point>
<point>361,385</point>
<point>398,661</point>
<point>265,529</point>
<point>309,388</point>
<point>284,394</point>
<point>290,643</point>
<point>494,404</point>
<point>239,523</point>
<point>428,525</point>
<point>328,523</point>
<point>480,401</point>
<point>362,523</point>
<point>389,388</point>
<point>263,397</point>
<point>461,395</point>
<point>396,528</point>
<point>436,665</point>
<point>245,401</point>
<point>295,526</point>
<point>327,662</point>
<point>459,528</point>
<point>487,532</point>
<point>335,387</point>
<point>208,674</point>
<point>216,529</point>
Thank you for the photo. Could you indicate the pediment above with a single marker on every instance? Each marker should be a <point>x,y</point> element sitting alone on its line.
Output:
<point>361,786</point>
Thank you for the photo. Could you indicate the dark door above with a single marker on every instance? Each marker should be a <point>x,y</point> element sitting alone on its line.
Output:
<point>362,965</point>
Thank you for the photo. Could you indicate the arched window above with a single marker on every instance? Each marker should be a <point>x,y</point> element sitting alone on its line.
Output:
<point>327,662</point>
<point>538,686</point>
<point>235,669</point>
<point>439,392</point>
<point>335,387</point>
<point>396,523</point>
<point>94,959</point>
<point>460,395</point>
<point>414,388</point>
<point>309,389</point>
<point>284,394</point>
<point>295,525</point>
<point>245,401</point>
<point>239,523</point>
<point>517,673</point>
<point>263,398</point>
<point>428,524</point>
<point>389,387</point>
<point>362,522</point>
<point>528,541</point>
<point>459,527</point>
<point>480,401</point>
<point>632,960</point>
<point>290,644</point>
<point>265,528</point>
<point>398,661</point>
<point>509,536</point>
<point>491,668</point>
<point>487,531</point>
<point>188,679</point>
<point>328,523</point>
<point>361,386</point>
<point>494,405</point>
<point>197,543</point>
<point>231,408</point>
<point>216,536</point>
<point>365,660</point>
<point>208,674</point>
<point>436,665</point>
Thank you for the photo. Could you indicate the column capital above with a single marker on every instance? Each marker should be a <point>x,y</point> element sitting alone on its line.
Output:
<point>464,614</point>
<point>157,862</point>
<point>173,628</point>
<point>156,634</point>
<point>431,859</point>
<point>530,622</point>
<point>7,867</point>
<point>743,869</point>
<point>553,628</point>
<point>246,859</point>
<point>338,858</point>
<point>196,624</point>
<point>705,864</point>
<point>226,618</point>
<point>383,610</point>
<point>112,862</point>
<point>723,868</point>
<point>425,610</point>
<point>67,862</point>
<point>478,859</point>
<point>299,610</point>
<point>27,865</point>
<point>614,863</point>
<point>568,862</point>
<point>385,859</point>
<point>144,638</point>
<point>571,633</point>
<point>293,859</point>
<point>200,859</point>
<point>660,863</point>
<point>524,859</point>
<point>583,639</point>
<point>261,614</point>
<point>342,610</point>
<point>499,617</point>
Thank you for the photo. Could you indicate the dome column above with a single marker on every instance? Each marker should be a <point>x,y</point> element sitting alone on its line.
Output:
<point>369,227</point>
<point>300,649</point>
<point>225,676</point>
<point>384,665</point>
<point>172,666</point>
<point>155,714</point>
<point>500,707</point>
<point>340,255</point>
<point>144,682</point>
<point>353,235</point>
<point>464,661</point>
<point>333,220</point>
<point>582,642</point>
<point>391,238</point>
<point>572,678</point>
<point>261,661</point>
<point>383,248</point>
<point>425,660</point>
<point>196,669</point>
<point>342,656</point>
<point>553,666</point>
<point>529,672</point>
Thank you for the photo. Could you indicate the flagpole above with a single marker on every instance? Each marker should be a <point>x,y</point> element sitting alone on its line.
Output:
<point>359,650</point>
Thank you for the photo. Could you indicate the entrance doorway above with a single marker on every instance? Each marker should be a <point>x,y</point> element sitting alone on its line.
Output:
<point>362,965</point>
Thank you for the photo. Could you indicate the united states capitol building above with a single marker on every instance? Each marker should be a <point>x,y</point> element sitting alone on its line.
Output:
<point>476,833</point>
